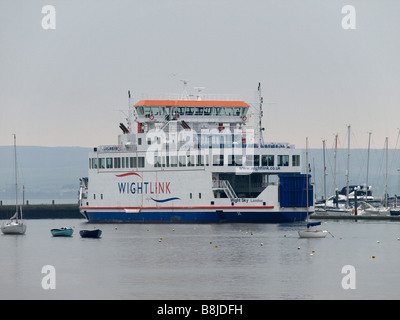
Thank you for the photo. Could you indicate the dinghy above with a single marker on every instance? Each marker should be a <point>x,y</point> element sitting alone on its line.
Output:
<point>62,232</point>
<point>90,233</point>
<point>312,233</point>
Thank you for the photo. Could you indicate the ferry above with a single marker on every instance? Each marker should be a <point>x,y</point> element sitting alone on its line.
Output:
<point>195,159</point>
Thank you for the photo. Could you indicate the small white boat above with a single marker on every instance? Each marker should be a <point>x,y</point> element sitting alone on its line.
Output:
<point>14,225</point>
<point>312,233</point>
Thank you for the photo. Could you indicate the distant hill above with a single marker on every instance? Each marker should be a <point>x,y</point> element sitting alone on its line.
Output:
<point>52,173</point>
<point>48,173</point>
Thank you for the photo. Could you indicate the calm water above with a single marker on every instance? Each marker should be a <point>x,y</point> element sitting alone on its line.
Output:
<point>130,262</point>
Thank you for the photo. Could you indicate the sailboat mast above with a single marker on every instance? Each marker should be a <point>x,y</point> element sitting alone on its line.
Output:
<point>307,172</point>
<point>348,167</point>
<point>323,148</point>
<point>386,177</point>
<point>369,147</point>
<point>16,176</point>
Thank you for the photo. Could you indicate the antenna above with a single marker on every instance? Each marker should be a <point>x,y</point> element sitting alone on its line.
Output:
<point>199,90</point>
<point>185,95</point>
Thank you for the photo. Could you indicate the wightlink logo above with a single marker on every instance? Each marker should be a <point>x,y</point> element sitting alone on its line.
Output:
<point>145,187</point>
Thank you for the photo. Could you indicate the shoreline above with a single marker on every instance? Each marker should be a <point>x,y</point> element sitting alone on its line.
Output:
<point>43,211</point>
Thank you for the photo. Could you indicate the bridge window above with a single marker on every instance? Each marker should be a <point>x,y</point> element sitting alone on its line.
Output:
<point>198,111</point>
<point>283,161</point>
<point>295,160</point>
<point>267,160</point>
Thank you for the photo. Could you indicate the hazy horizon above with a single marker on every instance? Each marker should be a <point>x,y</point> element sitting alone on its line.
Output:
<point>66,86</point>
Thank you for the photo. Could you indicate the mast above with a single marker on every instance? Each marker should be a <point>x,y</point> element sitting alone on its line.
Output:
<point>307,171</point>
<point>348,166</point>
<point>16,176</point>
<point>369,147</point>
<point>334,175</point>
<point>386,176</point>
<point>260,115</point>
<point>323,148</point>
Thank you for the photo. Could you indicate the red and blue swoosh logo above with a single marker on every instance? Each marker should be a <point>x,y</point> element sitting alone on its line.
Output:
<point>128,174</point>
<point>165,200</point>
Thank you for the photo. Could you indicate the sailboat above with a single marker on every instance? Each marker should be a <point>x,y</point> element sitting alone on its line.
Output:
<point>15,225</point>
<point>311,233</point>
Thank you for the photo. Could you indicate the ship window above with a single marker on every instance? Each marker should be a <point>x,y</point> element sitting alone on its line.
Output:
<point>140,111</point>
<point>140,162</point>
<point>149,141</point>
<point>174,161</point>
<point>191,160</point>
<point>228,111</point>
<point>162,111</point>
<point>155,111</point>
<point>244,111</point>
<point>147,111</point>
<point>207,111</point>
<point>256,160</point>
<point>181,110</point>
<point>133,162</point>
<point>189,111</point>
<point>109,163</point>
<point>249,161</point>
<point>238,160</point>
<point>283,160</point>
<point>199,195</point>
<point>123,162</point>
<point>190,195</point>
<point>219,111</point>
<point>198,111</point>
<point>90,163</point>
<point>102,163</point>
<point>182,161</point>
<point>157,161</point>
<point>295,160</point>
<point>267,160</point>
<point>117,163</point>
<point>218,160</point>
<point>231,160</point>
<point>236,111</point>
<point>94,163</point>
<point>127,162</point>
<point>200,160</point>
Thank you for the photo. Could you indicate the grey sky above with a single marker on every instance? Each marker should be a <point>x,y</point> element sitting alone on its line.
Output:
<point>64,87</point>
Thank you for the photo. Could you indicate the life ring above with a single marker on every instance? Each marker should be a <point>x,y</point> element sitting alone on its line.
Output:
<point>244,118</point>
<point>151,117</point>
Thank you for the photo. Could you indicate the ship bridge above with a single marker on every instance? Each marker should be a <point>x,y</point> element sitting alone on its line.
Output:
<point>191,114</point>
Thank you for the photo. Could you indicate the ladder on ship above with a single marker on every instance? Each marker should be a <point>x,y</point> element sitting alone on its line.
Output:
<point>226,187</point>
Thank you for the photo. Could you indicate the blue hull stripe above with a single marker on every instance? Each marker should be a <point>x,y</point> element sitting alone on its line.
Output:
<point>194,217</point>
